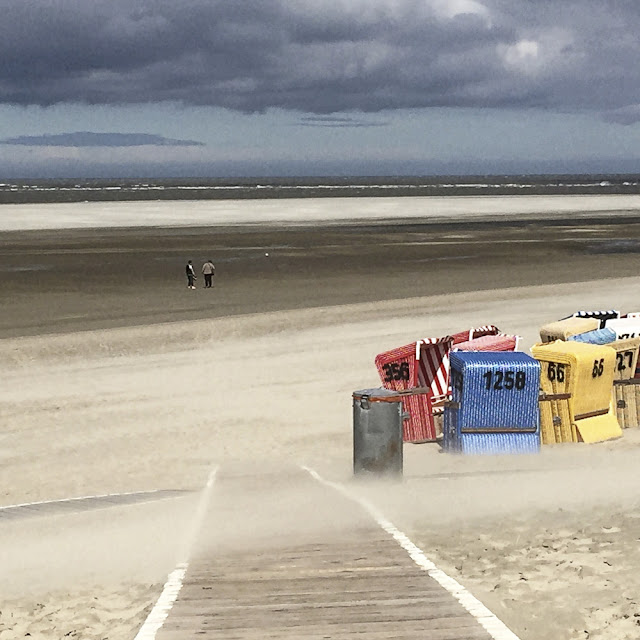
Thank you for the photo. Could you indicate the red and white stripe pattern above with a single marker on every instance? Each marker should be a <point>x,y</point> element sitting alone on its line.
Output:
<point>433,368</point>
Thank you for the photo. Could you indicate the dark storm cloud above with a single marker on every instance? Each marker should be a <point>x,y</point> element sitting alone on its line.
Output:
<point>90,139</point>
<point>324,56</point>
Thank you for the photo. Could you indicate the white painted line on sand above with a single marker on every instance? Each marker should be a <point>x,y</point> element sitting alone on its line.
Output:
<point>489,621</point>
<point>196,522</point>
<point>63,500</point>
<point>161,609</point>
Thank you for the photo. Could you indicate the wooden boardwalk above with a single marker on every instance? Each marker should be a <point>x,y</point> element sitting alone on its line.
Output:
<point>352,583</point>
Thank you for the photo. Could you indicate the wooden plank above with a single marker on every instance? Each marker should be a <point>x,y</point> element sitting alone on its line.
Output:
<point>380,632</point>
<point>302,600</point>
<point>455,628</point>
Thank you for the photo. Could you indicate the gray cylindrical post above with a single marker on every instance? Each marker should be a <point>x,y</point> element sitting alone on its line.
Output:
<point>377,432</point>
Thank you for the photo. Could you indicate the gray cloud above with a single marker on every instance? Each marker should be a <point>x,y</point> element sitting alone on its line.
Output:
<point>628,114</point>
<point>340,122</point>
<point>90,139</point>
<point>324,56</point>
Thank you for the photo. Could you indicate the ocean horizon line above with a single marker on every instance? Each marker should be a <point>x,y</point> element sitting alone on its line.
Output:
<point>51,190</point>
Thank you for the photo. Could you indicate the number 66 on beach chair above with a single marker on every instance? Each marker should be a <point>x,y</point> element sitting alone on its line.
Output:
<point>576,402</point>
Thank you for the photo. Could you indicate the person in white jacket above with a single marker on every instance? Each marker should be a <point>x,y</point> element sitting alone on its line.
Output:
<point>208,271</point>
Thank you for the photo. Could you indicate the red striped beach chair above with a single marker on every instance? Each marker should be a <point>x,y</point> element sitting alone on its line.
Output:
<point>424,365</point>
<point>403,369</point>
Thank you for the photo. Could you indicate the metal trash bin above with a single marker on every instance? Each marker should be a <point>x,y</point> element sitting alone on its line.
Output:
<point>377,432</point>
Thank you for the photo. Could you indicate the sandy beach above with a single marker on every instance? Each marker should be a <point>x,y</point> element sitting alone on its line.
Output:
<point>120,380</point>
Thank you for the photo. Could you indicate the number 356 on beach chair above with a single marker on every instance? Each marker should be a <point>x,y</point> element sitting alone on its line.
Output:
<point>576,379</point>
<point>420,367</point>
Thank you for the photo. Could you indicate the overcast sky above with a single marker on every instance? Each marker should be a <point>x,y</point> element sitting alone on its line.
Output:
<point>308,87</point>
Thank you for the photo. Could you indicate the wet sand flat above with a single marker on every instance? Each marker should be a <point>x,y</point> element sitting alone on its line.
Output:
<point>69,280</point>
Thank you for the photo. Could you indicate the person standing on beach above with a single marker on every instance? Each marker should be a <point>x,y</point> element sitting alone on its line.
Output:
<point>208,271</point>
<point>191,275</point>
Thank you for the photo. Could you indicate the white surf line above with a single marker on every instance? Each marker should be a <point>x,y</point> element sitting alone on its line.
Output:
<point>489,621</point>
<point>173,585</point>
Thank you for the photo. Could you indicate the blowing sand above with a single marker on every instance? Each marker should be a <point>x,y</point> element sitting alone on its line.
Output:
<point>118,379</point>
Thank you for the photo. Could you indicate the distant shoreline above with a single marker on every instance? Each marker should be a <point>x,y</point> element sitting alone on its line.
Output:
<point>41,191</point>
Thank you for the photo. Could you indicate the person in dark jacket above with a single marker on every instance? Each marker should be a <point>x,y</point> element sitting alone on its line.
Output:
<point>191,275</point>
